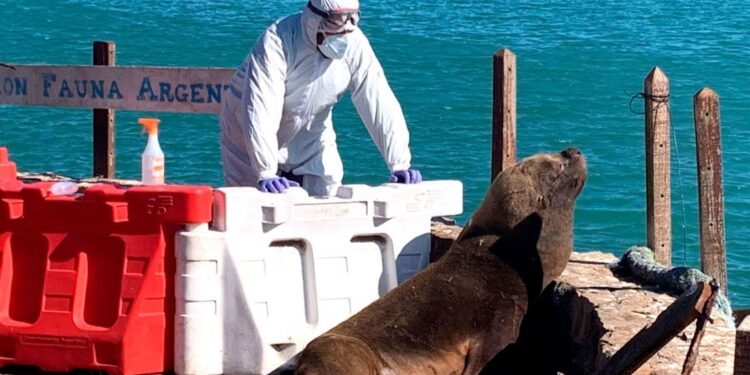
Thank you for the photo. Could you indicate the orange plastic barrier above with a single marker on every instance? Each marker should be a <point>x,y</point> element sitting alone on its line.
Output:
<point>7,168</point>
<point>87,281</point>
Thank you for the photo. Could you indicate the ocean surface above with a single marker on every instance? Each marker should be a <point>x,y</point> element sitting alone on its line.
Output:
<point>579,65</point>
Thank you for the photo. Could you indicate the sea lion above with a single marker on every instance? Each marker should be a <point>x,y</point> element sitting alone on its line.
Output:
<point>455,315</point>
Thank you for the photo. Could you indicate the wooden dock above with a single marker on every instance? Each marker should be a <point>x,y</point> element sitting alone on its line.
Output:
<point>622,308</point>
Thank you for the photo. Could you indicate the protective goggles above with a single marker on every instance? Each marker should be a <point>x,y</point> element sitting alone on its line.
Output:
<point>336,18</point>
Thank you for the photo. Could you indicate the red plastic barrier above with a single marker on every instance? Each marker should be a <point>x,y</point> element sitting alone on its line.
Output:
<point>7,167</point>
<point>87,281</point>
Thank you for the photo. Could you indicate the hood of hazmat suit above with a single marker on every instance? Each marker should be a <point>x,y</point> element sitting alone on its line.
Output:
<point>276,111</point>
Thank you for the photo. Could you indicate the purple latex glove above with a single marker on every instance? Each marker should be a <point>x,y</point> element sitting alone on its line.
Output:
<point>406,176</point>
<point>275,184</point>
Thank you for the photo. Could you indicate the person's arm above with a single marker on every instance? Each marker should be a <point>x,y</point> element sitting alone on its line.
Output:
<point>378,107</point>
<point>263,99</point>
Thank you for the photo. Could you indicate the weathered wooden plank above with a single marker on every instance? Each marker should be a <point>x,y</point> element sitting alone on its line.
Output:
<point>132,88</point>
<point>658,199</point>
<point>710,187</point>
<point>692,356</point>
<point>650,339</point>
<point>503,111</point>
<point>103,126</point>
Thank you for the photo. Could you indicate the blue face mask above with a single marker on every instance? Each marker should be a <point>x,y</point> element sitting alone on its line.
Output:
<point>334,46</point>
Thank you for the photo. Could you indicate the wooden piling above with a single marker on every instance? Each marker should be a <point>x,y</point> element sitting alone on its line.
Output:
<point>710,189</point>
<point>104,120</point>
<point>503,111</point>
<point>658,190</point>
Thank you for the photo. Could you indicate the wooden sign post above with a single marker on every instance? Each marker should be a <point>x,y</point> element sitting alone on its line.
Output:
<point>104,120</point>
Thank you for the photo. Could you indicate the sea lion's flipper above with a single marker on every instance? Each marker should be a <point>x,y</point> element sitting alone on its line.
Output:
<point>473,358</point>
<point>502,332</point>
<point>520,251</point>
<point>335,354</point>
<point>527,232</point>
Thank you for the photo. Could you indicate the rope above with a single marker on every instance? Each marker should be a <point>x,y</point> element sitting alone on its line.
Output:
<point>661,100</point>
<point>638,263</point>
<point>682,193</point>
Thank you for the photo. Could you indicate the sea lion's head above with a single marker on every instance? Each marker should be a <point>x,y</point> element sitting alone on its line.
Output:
<point>542,187</point>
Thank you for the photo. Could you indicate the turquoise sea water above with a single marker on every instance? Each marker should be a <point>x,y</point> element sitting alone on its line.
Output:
<point>579,63</point>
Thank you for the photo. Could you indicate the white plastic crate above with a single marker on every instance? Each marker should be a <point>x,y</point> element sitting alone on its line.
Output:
<point>276,270</point>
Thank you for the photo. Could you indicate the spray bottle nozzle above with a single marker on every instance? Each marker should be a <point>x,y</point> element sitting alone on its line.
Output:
<point>150,124</point>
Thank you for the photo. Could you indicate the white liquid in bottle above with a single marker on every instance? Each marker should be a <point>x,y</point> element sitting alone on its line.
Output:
<point>152,159</point>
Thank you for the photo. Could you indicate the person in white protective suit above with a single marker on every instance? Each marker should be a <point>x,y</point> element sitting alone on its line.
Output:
<point>276,128</point>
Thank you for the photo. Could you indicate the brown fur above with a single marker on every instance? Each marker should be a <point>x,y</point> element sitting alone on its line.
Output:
<point>455,315</point>
<point>545,184</point>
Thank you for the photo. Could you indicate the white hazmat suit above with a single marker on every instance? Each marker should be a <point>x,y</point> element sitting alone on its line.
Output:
<point>277,111</point>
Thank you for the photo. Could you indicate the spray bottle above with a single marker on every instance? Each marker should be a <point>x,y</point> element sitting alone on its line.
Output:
<point>152,160</point>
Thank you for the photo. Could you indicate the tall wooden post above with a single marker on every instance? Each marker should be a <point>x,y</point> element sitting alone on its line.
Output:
<point>659,211</point>
<point>104,120</point>
<point>503,111</point>
<point>710,189</point>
